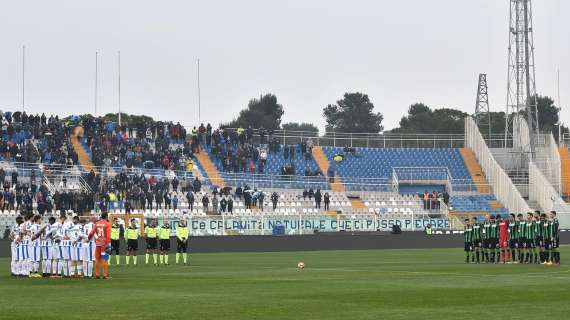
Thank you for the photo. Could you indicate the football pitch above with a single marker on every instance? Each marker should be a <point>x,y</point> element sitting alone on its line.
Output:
<point>371,284</point>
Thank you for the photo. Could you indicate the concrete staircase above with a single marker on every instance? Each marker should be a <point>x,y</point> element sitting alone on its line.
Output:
<point>565,162</point>
<point>323,163</point>
<point>475,171</point>
<point>210,168</point>
<point>337,186</point>
<point>82,155</point>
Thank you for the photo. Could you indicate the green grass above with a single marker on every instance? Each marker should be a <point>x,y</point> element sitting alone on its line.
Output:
<point>376,284</point>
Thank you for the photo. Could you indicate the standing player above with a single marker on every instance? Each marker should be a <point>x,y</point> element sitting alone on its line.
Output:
<point>555,254</point>
<point>494,238</point>
<point>486,233</point>
<point>164,238</point>
<point>116,240</point>
<point>468,233</point>
<point>132,236</point>
<point>182,241</point>
<point>512,236</point>
<point>15,247</point>
<point>521,241</point>
<point>503,239</point>
<point>58,264</point>
<point>47,247</point>
<point>476,229</point>
<point>151,236</point>
<point>35,248</point>
<point>102,231</point>
<point>26,238</point>
<point>89,247</point>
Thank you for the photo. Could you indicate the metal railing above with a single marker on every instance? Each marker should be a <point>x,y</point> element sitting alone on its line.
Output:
<point>503,187</point>
<point>376,140</point>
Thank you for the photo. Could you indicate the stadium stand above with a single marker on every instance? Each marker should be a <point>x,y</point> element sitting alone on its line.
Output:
<point>151,168</point>
<point>565,161</point>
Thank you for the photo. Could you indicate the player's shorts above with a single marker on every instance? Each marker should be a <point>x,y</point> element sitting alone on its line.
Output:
<point>539,242</point>
<point>115,246</point>
<point>182,246</point>
<point>548,244</point>
<point>151,243</point>
<point>36,253</point>
<point>164,244</point>
<point>15,251</point>
<point>24,251</point>
<point>76,252</point>
<point>493,243</point>
<point>99,252</point>
<point>485,243</point>
<point>66,249</point>
<point>513,244</point>
<point>468,246</point>
<point>477,244</point>
<point>47,250</point>
<point>88,253</point>
<point>132,245</point>
<point>503,243</point>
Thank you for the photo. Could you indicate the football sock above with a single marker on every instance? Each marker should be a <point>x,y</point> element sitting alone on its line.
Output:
<point>161,259</point>
<point>146,257</point>
<point>97,263</point>
<point>105,269</point>
<point>135,260</point>
<point>90,268</point>
<point>118,257</point>
<point>166,258</point>
<point>177,257</point>
<point>185,257</point>
<point>85,268</point>
<point>127,259</point>
<point>79,268</point>
<point>155,257</point>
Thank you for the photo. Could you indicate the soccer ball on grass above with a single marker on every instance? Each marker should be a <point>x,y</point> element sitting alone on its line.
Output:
<point>301,265</point>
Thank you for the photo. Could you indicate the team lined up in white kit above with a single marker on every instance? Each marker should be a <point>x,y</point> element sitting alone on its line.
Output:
<point>62,248</point>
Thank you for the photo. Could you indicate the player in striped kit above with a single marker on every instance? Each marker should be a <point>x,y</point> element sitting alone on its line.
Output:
<point>15,247</point>
<point>57,248</point>
<point>65,246</point>
<point>34,233</point>
<point>47,247</point>
<point>26,239</point>
<point>75,233</point>
<point>88,254</point>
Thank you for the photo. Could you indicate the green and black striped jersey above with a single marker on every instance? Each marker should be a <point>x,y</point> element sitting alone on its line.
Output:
<point>520,229</point>
<point>476,232</point>
<point>549,230</point>
<point>487,230</point>
<point>468,233</point>
<point>495,230</point>
<point>556,227</point>
<point>530,229</point>
<point>513,230</point>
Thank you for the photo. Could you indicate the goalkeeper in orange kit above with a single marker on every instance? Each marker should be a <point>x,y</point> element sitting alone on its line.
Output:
<point>102,231</point>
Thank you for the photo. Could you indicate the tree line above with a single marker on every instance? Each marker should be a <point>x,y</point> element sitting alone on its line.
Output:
<point>355,113</point>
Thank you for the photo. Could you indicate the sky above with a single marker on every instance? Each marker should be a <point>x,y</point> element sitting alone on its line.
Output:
<point>308,53</point>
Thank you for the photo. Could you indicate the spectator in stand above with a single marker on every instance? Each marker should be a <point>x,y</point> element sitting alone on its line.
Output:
<point>274,200</point>
<point>318,198</point>
<point>223,205</point>
<point>205,202</point>
<point>327,200</point>
<point>197,185</point>
<point>230,205</point>
<point>215,204</point>
<point>190,199</point>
